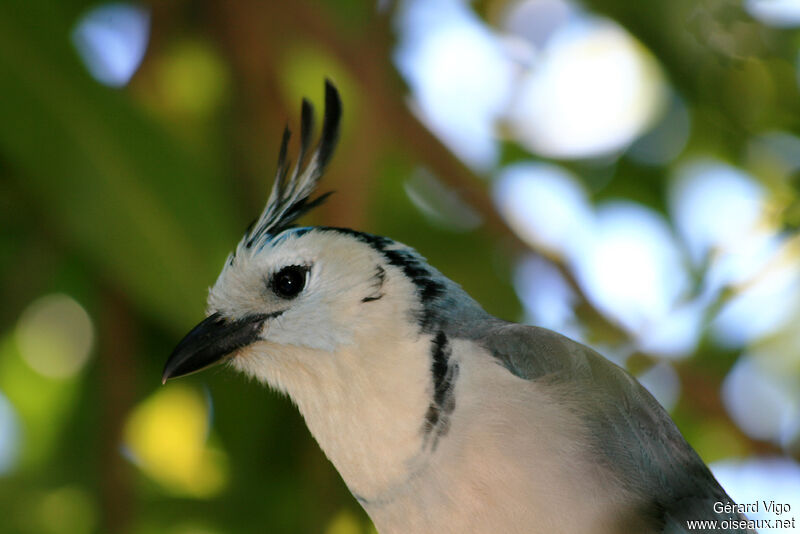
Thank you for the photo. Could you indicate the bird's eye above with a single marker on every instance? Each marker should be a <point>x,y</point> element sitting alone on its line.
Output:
<point>289,281</point>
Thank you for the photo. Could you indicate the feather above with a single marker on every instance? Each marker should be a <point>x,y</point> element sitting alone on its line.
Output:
<point>291,193</point>
<point>631,434</point>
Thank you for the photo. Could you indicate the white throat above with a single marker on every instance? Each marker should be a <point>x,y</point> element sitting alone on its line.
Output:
<point>365,403</point>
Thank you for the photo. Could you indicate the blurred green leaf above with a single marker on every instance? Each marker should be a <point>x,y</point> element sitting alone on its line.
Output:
<point>150,216</point>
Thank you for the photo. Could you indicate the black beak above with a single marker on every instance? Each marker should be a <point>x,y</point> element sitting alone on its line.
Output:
<point>210,342</point>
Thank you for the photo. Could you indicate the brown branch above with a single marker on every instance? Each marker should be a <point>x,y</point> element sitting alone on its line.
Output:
<point>117,378</point>
<point>368,60</point>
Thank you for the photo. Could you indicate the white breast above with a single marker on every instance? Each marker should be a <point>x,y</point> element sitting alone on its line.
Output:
<point>511,462</point>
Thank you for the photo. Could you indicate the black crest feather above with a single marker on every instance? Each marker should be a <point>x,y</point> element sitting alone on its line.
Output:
<point>291,193</point>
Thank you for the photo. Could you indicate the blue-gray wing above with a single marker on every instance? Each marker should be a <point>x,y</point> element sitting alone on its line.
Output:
<point>631,433</point>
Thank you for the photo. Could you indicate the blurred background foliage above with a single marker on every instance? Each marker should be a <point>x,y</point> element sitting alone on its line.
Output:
<point>624,172</point>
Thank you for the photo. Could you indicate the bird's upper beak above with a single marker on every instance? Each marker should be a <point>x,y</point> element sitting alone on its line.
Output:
<point>210,342</point>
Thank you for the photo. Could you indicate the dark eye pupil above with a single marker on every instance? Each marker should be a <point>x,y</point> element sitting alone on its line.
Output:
<point>289,281</point>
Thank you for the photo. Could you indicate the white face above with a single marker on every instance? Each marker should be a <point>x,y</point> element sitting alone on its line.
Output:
<point>346,345</point>
<point>314,285</point>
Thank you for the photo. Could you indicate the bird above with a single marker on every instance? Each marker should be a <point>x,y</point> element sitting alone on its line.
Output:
<point>438,416</point>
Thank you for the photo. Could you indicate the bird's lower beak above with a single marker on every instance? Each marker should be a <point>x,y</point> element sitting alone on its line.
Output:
<point>210,342</point>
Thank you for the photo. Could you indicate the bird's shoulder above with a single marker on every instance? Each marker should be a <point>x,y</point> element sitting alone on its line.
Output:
<point>629,431</point>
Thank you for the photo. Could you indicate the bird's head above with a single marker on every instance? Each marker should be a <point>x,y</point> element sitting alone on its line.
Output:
<point>290,291</point>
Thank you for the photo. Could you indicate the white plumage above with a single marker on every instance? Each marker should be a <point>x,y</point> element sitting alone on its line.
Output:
<point>439,417</point>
